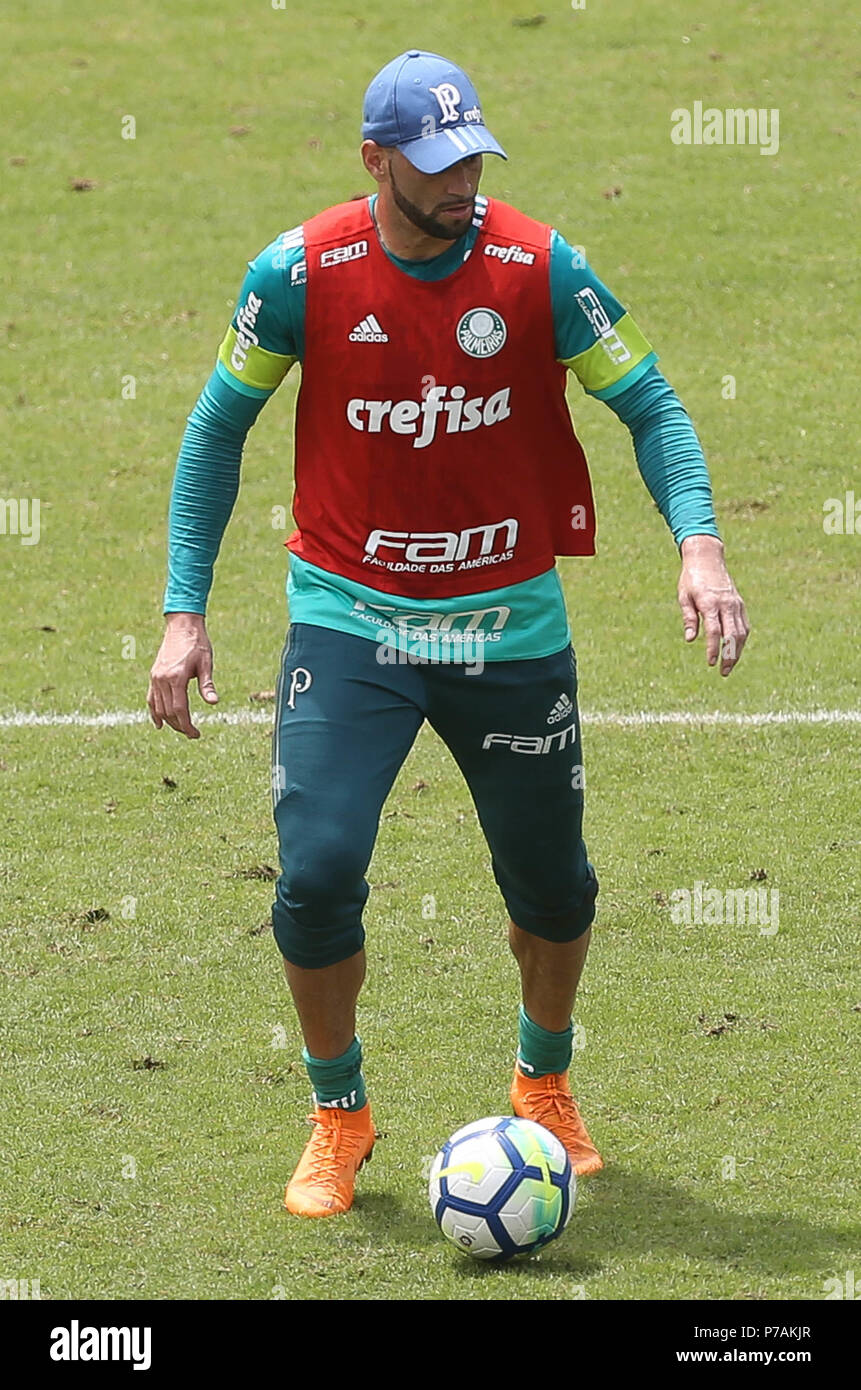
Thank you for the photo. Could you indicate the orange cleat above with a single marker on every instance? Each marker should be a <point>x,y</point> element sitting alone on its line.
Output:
<point>548,1101</point>
<point>323,1183</point>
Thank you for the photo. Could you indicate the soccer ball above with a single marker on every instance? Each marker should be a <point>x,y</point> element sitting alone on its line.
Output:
<point>501,1187</point>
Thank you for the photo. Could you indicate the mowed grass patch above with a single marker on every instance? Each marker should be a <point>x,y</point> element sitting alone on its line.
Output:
<point>155,1097</point>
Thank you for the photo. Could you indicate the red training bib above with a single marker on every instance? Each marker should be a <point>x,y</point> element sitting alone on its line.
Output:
<point>435,453</point>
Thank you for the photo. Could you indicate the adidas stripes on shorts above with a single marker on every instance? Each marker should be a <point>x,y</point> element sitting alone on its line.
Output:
<point>345,722</point>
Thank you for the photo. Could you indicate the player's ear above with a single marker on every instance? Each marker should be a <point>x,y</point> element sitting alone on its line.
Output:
<point>375,160</point>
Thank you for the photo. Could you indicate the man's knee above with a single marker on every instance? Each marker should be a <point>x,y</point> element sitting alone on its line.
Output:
<point>567,925</point>
<point>320,894</point>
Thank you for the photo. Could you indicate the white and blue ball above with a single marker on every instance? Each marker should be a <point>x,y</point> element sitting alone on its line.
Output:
<point>501,1187</point>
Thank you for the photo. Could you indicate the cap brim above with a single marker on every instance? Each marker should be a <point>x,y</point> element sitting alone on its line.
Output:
<point>430,154</point>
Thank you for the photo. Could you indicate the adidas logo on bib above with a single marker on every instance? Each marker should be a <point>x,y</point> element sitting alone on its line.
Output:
<point>560,710</point>
<point>368,331</point>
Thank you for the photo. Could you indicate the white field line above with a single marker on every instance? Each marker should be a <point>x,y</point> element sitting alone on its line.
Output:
<point>112,719</point>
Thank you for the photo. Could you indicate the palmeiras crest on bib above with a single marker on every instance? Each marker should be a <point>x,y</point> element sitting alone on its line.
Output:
<point>481,332</point>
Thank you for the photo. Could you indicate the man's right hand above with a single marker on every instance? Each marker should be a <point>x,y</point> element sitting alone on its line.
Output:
<point>185,652</point>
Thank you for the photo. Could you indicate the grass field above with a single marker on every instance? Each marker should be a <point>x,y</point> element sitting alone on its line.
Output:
<point>153,1098</point>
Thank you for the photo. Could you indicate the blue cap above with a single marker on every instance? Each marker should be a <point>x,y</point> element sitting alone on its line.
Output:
<point>428,109</point>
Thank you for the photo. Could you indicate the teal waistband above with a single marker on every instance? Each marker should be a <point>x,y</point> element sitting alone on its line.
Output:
<point>519,622</point>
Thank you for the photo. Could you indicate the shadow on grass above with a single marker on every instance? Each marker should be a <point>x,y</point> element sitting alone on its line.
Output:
<point>630,1212</point>
<point>629,1215</point>
<point>386,1218</point>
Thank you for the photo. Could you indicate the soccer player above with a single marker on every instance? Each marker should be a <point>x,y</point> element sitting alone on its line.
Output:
<point>437,477</point>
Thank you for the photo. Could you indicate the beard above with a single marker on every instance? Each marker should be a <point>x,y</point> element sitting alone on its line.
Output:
<point>425,221</point>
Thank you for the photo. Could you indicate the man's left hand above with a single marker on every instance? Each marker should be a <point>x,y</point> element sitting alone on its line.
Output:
<point>706,591</point>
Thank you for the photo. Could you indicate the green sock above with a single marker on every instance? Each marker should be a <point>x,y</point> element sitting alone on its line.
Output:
<point>338,1082</point>
<point>541,1052</point>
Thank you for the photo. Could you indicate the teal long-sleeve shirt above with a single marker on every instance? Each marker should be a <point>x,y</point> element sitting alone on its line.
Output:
<point>206,479</point>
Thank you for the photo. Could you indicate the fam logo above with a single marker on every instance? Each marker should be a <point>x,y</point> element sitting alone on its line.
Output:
<point>481,332</point>
<point>337,255</point>
<point>441,627</point>
<point>603,329</point>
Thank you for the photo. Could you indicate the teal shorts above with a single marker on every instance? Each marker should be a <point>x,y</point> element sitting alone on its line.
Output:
<point>347,714</point>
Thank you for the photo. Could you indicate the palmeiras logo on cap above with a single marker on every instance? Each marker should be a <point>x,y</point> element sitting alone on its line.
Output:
<point>481,332</point>
<point>449,99</point>
<point>426,107</point>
